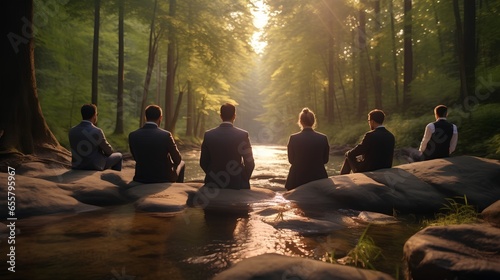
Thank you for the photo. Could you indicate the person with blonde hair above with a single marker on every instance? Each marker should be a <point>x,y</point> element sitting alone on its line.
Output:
<point>308,152</point>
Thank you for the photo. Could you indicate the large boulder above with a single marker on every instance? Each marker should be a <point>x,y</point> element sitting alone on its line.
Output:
<point>454,252</point>
<point>418,188</point>
<point>278,267</point>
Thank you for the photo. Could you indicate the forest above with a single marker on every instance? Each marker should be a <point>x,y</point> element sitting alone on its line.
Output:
<point>340,58</point>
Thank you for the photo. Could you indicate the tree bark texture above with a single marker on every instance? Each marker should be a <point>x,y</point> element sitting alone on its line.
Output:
<point>22,126</point>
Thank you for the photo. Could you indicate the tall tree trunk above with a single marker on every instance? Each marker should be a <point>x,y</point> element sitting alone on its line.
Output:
<point>158,78</point>
<point>121,64</point>
<point>190,110</point>
<point>342,85</point>
<point>460,50</point>
<point>95,51</point>
<point>394,54</point>
<point>408,54</point>
<point>331,77</point>
<point>438,28</point>
<point>362,95</point>
<point>23,129</point>
<point>470,50</point>
<point>176,112</point>
<point>171,57</point>
<point>378,77</point>
<point>153,47</point>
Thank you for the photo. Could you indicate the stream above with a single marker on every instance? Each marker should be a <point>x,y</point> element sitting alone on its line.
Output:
<point>120,243</point>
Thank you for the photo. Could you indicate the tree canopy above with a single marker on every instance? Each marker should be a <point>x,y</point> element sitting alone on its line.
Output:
<point>341,58</point>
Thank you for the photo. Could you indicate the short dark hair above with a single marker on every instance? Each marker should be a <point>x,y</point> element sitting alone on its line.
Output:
<point>377,116</point>
<point>153,112</point>
<point>441,111</point>
<point>88,111</point>
<point>227,112</point>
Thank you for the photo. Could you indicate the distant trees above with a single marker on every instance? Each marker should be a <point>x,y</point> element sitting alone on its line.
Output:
<point>377,46</point>
<point>162,47</point>
<point>339,57</point>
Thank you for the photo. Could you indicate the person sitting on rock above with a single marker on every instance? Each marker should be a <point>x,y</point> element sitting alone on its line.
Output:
<point>440,137</point>
<point>89,148</point>
<point>226,153</point>
<point>375,151</point>
<point>308,152</point>
<point>156,155</point>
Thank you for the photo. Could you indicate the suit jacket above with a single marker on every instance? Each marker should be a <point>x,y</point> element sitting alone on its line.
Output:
<point>377,148</point>
<point>308,152</point>
<point>155,153</point>
<point>227,158</point>
<point>89,147</point>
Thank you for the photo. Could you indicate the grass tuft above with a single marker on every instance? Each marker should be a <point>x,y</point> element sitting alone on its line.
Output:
<point>454,213</point>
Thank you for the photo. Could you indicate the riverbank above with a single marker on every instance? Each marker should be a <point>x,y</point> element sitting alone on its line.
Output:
<point>315,208</point>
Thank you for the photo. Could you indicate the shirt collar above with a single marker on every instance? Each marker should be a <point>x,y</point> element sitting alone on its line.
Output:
<point>152,123</point>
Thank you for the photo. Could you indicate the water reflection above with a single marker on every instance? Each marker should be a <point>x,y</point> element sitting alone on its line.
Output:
<point>270,162</point>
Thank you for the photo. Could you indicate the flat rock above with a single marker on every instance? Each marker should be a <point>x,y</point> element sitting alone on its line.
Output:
<point>161,197</point>
<point>418,188</point>
<point>278,267</point>
<point>454,252</point>
<point>38,197</point>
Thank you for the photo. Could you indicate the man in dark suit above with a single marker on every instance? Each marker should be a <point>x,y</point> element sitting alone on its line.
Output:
<point>375,151</point>
<point>89,148</point>
<point>156,155</point>
<point>226,153</point>
<point>440,137</point>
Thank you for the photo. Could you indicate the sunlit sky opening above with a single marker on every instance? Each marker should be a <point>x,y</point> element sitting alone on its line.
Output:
<point>261,15</point>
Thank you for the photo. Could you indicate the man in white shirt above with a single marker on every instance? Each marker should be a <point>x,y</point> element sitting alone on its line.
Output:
<point>440,137</point>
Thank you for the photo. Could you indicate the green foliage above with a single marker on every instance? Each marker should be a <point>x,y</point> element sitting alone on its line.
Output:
<point>351,134</point>
<point>454,213</point>
<point>493,147</point>
<point>409,131</point>
<point>478,129</point>
<point>364,253</point>
<point>213,54</point>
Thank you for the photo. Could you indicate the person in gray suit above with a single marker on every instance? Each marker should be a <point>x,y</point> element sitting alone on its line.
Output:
<point>308,152</point>
<point>226,153</point>
<point>157,159</point>
<point>89,148</point>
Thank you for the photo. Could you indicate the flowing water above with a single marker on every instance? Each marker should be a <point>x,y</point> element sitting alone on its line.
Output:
<point>119,243</point>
